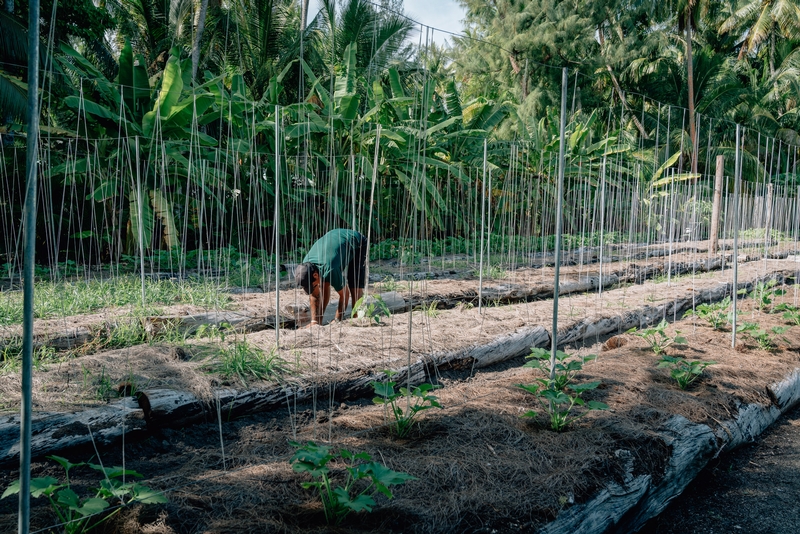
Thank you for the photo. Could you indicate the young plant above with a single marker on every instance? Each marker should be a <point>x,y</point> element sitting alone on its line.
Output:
<point>371,308</point>
<point>790,313</point>
<point>765,339</point>
<point>82,514</point>
<point>353,495</point>
<point>764,292</point>
<point>715,313</point>
<point>657,337</point>
<point>684,372</point>
<point>566,366</point>
<point>559,403</point>
<point>415,400</point>
<point>431,310</point>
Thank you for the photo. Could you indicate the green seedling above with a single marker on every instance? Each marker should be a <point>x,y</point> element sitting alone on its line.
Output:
<point>567,366</point>
<point>416,399</point>
<point>684,372</point>
<point>764,293</point>
<point>790,313</point>
<point>657,337</point>
<point>430,310</point>
<point>363,479</point>
<point>82,514</point>
<point>716,314</point>
<point>101,386</point>
<point>559,404</point>
<point>389,284</point>
<point>765,339</point>
<point>214,331</point>
<point>371,308</point>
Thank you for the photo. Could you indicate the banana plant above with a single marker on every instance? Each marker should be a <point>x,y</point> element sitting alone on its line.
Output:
<point>156,128</point>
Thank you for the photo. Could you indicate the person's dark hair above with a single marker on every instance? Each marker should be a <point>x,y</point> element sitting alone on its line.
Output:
<point>304,275</point>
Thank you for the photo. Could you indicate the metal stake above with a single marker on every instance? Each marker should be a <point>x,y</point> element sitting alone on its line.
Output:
<point>559,210</point>
<point>31,158</point>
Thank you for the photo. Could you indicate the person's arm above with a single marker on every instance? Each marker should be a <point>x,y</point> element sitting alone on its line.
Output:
<point>325,291</point>
<point>344,295</point>
<point>318,302</point>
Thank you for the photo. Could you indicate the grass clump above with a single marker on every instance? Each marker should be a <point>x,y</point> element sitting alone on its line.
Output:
<point>75,297</point>
<point>244,362</point>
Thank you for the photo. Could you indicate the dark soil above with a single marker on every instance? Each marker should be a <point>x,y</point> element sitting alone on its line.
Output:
<point>755,489</point>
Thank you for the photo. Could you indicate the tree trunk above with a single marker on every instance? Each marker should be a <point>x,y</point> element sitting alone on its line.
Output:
<point>714,237</point>
<point>618,89</point>
<point>772,55</point>
<point>690,80</point>
<point>200,24</point>
<point>9,5</point>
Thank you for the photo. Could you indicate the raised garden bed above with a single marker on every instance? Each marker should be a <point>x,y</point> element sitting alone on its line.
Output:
<point>479,466</point>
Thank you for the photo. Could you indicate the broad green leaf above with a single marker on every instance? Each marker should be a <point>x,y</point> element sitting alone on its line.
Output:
<point>92,506</point>
<point>141,214</point>
<point>171,88</point>
<point>362,503</point>
<point>145,495</point>
<point>68,498</point>
<point>107,189</point>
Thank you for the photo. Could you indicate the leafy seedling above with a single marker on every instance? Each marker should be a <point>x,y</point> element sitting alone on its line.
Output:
<point>559,404</point>
<point>657,337</point>
<point>371,308</point>
<point>567,366</point>
<point>715,313</point>
<point>416,399</point>
<point>764,293</point>
<point>363,479</point>
<point>790,313</point>
<point>82,514</point>
<point>765,339</point>
<point>684,372</point>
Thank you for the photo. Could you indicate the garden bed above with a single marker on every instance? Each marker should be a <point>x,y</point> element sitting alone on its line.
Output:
<point>479,466</point>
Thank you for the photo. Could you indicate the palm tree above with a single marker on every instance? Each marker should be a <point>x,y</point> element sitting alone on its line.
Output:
<point>762,20</point>
<point>379,37</point>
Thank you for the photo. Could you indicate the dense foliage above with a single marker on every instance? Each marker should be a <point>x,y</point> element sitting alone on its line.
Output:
<point>161,117</point>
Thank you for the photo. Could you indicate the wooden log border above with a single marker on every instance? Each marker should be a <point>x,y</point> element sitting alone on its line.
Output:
<point>626,507</point>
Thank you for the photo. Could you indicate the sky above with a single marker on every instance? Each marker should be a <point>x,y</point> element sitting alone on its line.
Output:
<point>442,14</point>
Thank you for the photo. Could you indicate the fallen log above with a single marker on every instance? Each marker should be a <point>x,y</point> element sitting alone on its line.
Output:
<point>647,315</point>
<point>52,432</point>
<point>626,507</point>
<point>191,323</point>
<point>164,408</point>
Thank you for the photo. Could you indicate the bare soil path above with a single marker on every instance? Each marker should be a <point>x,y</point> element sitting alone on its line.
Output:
<point>755,489</point>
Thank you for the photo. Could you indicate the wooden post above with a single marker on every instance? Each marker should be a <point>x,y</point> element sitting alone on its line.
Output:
<point>714,237</point>
<point>768,209</point>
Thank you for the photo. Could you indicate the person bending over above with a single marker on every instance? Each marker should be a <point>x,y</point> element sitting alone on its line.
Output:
<point>324,266</point>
